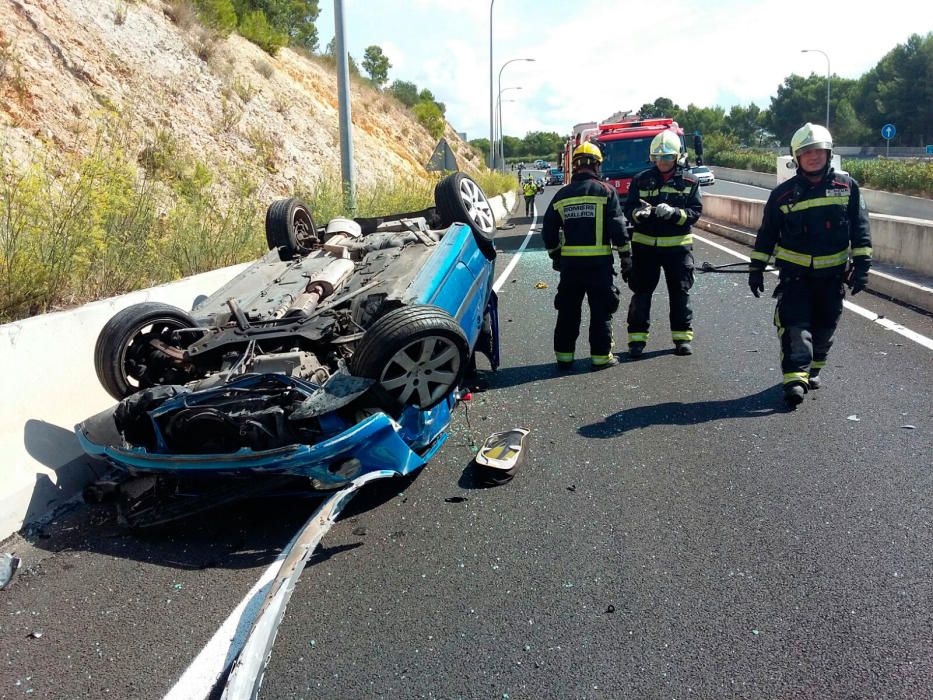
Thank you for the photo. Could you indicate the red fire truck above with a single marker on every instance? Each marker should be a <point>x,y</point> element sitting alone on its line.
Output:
<point>624,146</point>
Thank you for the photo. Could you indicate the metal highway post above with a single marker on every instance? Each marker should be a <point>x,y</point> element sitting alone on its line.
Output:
<point>346,122</point>
<point>827,78</point>
<point>500,77</point>
<point>501,150</point>
<point>492,121</point>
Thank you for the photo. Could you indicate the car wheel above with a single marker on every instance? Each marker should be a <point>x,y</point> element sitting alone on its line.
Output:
<point>290,228</point>
<point>459,198</point>
<point>416,354</point>
<point>138,349</point>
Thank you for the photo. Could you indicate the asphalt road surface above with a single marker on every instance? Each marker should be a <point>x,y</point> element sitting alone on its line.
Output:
<point>673,533</point>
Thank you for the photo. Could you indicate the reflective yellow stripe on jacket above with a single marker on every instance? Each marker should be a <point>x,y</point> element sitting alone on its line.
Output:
<point>662,241</point>
<point>817,262</point>
<point>842,201</point>
<point>598,247</point>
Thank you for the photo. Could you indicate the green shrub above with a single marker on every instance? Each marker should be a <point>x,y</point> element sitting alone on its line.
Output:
<point>904,176</point>
<point>217,14</point>
<point>429,116</point>
<point>255,27</point>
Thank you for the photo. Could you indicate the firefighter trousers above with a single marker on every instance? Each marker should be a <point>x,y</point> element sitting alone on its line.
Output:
<point>807,313</point>
<point>529,205</point>
<point>647,263</point>
<point>596,284</point>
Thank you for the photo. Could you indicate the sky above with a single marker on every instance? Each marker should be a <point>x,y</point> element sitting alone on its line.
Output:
<point>592,59</point>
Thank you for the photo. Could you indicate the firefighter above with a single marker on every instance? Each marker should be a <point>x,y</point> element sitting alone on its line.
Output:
<point>583,225</point>
<point>663,203</point>
<point>529,189</point>
<point>812,224</point>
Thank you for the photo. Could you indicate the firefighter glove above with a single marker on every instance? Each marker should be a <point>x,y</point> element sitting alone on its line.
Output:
<point>625,267</point>
<point>756,282</point>
<point>665,211</point>
<point>858,276</point>
<point>642,213</point>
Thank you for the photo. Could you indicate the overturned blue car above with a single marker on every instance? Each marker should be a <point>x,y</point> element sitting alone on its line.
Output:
<point>341,351</point>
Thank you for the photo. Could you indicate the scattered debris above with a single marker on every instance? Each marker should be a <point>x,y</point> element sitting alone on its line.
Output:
<point>572,487</point>
<point>854,418</point>
<point>541,285</point>
<point>8,566</point>
<point>909,427</point>
<point>611,609</point>
<point>35,634</point>
<point>359,531</point>
<point>455,499</point>
<point>501,455</point>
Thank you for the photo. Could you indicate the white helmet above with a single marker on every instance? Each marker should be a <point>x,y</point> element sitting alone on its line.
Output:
<point>665,144</point>
<point>811,136</point>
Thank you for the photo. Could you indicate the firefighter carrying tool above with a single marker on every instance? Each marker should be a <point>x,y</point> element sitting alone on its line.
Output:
<point>663,202</point>
<point>811,225</point>
<point>583,224</point>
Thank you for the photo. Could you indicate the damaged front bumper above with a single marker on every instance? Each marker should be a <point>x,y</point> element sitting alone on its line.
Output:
<point>376,443</point>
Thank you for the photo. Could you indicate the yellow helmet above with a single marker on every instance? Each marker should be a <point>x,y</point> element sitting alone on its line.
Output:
<point>665,144</point>
<point>587,153</point>
<point>810,136</point>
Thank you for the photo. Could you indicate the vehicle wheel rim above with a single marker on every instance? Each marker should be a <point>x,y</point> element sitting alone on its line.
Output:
<point>422,372</point>
<point>477,205</point>
<point>305,234</point>
<point>139,360</point>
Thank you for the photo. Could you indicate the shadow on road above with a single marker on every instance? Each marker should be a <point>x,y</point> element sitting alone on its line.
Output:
<point>764,403</point>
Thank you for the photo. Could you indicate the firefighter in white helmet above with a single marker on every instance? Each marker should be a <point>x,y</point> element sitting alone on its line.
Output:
<point>663,202</point>
<point>583,225</point>
<point>813,224</point>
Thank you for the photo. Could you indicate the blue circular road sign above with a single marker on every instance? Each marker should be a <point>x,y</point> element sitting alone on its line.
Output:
<point>888,131</point>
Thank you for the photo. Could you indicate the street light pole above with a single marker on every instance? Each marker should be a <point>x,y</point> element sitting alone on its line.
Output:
<point>826,55</point>
<point>513,60</point>
<point>501,151</point>
<point>343,104</point>
<point>492,135</point>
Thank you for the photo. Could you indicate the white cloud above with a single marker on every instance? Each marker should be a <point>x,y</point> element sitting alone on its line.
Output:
<point>596,57</point>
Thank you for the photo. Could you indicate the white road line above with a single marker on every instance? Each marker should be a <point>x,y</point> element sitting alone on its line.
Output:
<point>518,254</point>
<point>886,323</point>
<point>202,675</point>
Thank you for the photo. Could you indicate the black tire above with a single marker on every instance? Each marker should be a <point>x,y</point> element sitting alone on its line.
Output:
<point>459,198</point>
<point>290,228</point>
<point>416,354</point>
<point>124,358</point>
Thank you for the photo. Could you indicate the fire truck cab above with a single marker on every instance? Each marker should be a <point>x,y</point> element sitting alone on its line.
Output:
<point>625,147</point>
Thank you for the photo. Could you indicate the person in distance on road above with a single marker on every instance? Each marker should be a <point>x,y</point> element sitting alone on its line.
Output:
<point>529,190</point>
<point>811,225</point>
<point>663,202</point>
<point>583,225</point>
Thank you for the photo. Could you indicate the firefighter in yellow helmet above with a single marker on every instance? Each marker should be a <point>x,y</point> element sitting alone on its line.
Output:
<point>812,225</point>
<point>663,202</point>
<point>583,225</point>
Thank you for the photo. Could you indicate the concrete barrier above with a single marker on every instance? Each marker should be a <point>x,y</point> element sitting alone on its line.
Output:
<point>49,385</point>
<point>878,201</point>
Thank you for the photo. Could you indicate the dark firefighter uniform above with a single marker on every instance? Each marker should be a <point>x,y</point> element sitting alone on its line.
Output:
<point>583,225</point>
<point>662,244</point>
<point>810,230</point>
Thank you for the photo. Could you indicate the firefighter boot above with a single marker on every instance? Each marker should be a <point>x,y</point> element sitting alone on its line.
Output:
<point>611,362</point>
<point>635,350</point>
<point>814,381</point>
<point>794,393</point>
<point>682,347</point>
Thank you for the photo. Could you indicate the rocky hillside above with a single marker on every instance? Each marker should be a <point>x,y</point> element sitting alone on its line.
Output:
<point>68,65</point>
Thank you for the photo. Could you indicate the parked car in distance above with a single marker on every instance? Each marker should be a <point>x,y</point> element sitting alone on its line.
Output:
<point>339,352</point>
<point>543,164</point>
<point>703,174</point>
<point>555,176</point>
